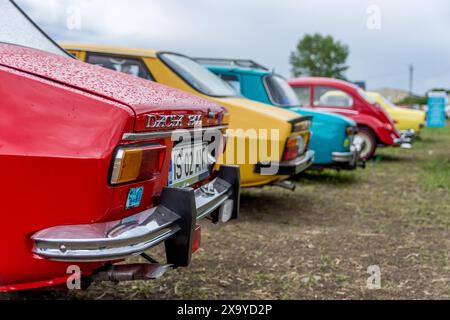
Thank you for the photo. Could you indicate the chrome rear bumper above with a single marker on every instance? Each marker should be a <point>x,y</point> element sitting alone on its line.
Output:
<point>406,139</point>
<point>345,157</point>
<point>290,168</point>
<point>350,159</point>
<point>172,222</point>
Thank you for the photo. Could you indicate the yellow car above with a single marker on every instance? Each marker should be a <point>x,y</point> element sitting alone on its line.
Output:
<point>404,119</point>
<point>268,143</point>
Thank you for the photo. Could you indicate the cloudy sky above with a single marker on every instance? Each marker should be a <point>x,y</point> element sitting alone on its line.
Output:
<point>384,36</point>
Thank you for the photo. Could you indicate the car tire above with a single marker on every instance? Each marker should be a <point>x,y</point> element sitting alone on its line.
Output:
<point>370,142</point>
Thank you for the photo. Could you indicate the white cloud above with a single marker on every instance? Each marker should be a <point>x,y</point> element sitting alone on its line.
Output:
<point>267,30</point>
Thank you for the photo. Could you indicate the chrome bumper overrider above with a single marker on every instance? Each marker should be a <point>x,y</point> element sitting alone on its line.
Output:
<point>351,159</point>
<point>406,139</point>
<point>173,222</point>
<point>290,168</point>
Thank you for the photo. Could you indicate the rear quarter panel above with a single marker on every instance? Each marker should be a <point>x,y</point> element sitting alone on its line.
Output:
<point>56,146</point>
<point>378,127</point>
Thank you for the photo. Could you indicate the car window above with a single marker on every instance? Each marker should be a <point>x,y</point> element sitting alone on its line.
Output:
<point>303,95</point>
<point>197,76</point>
<point>233,81</point>
<point>17,28</point>
<point>331,97</point>
<point>366,96</point>
<point>280,92</point>
<point>131,66</point>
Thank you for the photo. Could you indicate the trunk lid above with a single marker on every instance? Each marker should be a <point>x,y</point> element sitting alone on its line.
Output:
<point>157,107</point>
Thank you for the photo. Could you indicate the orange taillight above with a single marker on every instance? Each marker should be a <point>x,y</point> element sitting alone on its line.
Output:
<point>138,163</point>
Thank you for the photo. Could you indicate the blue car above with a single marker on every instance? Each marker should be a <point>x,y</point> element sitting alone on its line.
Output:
<point>333,135</point>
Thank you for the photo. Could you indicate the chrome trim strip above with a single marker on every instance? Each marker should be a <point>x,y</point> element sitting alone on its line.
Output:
<point>336,110</point>
<point>166,134</point>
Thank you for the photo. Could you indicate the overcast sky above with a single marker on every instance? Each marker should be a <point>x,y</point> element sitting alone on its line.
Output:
<point>408,32</point>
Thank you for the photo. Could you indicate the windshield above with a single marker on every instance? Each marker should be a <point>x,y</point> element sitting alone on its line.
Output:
<point>366,96</point>
<point>17,28</point>
<point>198,76</point>
<point>388,103</point>
<point>280,92</point>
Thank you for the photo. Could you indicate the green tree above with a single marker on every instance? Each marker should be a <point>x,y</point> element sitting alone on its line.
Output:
<point>413,100</point>
<point>320,56</point>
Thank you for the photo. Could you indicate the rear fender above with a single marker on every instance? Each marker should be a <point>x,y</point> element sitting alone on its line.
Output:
<point>378,128</point>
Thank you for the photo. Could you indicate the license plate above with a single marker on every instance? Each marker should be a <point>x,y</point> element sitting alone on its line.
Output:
<point>189,163</point>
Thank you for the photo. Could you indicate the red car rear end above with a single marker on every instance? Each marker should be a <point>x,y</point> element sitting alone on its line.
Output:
<point>330,95</point>
<point>87,156</point>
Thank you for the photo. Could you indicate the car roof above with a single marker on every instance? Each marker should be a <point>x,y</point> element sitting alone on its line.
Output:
<point>235,69</point>
<point>320,81</point>
<point>150,53</point>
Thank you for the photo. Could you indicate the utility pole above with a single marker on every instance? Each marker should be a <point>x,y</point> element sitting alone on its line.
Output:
<point>411,79</point>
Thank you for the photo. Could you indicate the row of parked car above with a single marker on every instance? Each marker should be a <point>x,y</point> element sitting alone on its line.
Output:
<point>109,152</point>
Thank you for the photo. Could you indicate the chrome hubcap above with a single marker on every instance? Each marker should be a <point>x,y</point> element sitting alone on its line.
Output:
<point>366,144</point>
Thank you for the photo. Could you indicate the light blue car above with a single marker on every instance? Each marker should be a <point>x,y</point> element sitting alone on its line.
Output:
<point>333,138</point>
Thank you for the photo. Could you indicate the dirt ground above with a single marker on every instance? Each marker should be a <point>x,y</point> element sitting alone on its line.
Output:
<point>318,242</point>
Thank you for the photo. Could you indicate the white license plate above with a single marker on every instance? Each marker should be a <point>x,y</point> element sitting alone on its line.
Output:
<point>188,164</point>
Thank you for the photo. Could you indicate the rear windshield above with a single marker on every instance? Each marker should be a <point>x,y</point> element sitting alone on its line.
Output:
<point>17,28</point>
<point>197,76</point>
<point>280,92</point>
<point>388,103</point>
<point>367,97</point>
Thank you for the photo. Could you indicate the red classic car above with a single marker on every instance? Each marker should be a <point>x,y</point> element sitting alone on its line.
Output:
<point>98,166</point>
<point>375,127</point>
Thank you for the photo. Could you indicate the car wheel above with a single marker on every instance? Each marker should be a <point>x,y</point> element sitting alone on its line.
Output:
<point>366,137</point>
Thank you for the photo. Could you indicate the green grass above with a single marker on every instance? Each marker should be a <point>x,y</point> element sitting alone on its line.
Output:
<point>438,174</point>
<point>317,242</point>
<point>437,163</point>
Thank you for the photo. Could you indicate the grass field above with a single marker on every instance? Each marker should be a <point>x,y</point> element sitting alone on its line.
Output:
<point>318,242</point>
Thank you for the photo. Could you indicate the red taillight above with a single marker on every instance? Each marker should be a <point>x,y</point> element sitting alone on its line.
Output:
<point>290,154</point>
<point>296,146</point>
<point>137,163</point>
<point>152,163</point>
<point>197,239</point>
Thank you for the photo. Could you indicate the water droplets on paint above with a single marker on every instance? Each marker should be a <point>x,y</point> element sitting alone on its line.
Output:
<point>121,87</point>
